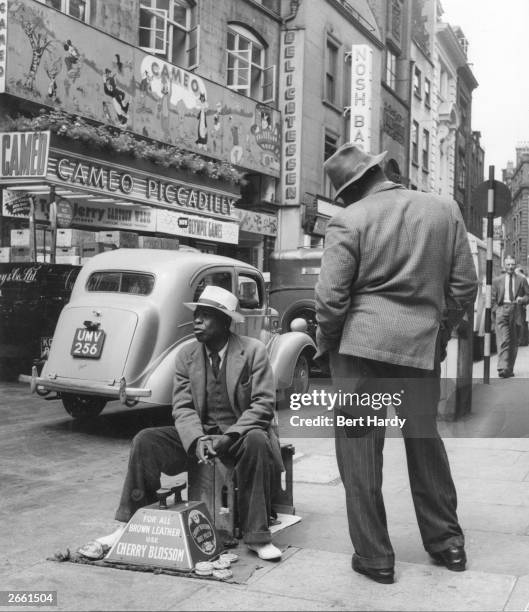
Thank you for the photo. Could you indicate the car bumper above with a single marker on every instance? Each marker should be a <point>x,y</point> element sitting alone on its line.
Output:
<point>115,390</point>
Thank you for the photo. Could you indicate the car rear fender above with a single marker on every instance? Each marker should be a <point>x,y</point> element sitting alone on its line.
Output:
<point>160,380</point>
<point>283,351</point>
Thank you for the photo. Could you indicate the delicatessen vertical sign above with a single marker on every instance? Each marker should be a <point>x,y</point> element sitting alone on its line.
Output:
<point>291,78</point>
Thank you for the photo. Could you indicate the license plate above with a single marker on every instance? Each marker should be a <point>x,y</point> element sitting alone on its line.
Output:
<point>88,343</point>
<point>45,344</point>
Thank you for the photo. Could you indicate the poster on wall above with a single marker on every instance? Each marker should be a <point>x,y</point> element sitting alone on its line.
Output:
<point>86,72</point>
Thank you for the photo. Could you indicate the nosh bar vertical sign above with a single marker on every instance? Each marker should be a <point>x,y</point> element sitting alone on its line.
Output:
<point>361,96</point>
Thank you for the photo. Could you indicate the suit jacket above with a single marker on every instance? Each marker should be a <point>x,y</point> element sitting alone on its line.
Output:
<point>394,265</point>
<point>250,385</point>
<point>521,289</point>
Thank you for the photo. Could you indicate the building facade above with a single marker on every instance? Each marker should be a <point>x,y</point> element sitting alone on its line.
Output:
<point>516,225</point>
<point>423,130</point>
<point>329,92</point>
<point>151,133</point>
<point>207,124</point>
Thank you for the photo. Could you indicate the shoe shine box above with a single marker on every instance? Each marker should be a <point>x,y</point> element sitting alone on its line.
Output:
<point>176,537</point>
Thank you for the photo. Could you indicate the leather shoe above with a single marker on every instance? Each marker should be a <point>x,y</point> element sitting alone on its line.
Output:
<point>453,558</point>
<point>383,575</point>
<point>501,374</point>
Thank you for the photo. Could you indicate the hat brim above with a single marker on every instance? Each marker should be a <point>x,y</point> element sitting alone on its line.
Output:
<point>374,162</point>
<point>234,316</point>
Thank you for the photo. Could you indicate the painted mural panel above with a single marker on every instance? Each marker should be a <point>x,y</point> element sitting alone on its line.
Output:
<point>55,60</point>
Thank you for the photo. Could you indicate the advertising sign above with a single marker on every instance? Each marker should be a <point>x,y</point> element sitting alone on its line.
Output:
<point>15,203</point>
<point>24,154</point>
<point>291,79</point>
<point>361,96</point>
<point>82,213</point>
<point>193,226</point>
<point>257,223</point>
<point>176,538</point>
<point>51,60</point>
<point>121,182</point>
<point>3,45</point>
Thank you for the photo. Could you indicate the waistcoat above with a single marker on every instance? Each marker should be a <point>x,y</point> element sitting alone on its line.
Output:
<point>219,411</point>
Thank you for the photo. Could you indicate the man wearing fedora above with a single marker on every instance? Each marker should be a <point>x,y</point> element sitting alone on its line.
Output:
<point>223,405</point>
<point>396,276</point>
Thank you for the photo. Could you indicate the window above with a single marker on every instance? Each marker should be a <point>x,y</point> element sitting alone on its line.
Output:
<point>427,92</point>
<point>425,149</point>
<point>221,279</point>
<point>330,145</point>
<point>415,143</point>
<point>417,82</point>
<point>391,69</point>
<point>462,170</point>
<point>168,28</point>
<point>80,9</point>
<point>247,73</point>
<point>331,72</point>
<point>249,294</point>
<point>121,282</point>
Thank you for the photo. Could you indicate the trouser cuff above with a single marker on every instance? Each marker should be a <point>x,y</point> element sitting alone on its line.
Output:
<point>258,537</point>
<point>375,562</point>
<point>439,546</point>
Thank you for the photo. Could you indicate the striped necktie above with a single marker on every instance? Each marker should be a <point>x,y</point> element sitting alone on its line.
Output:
<point>215,363</point>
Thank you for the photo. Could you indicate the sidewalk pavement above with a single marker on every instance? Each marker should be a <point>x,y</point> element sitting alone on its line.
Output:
<point>492,480</point>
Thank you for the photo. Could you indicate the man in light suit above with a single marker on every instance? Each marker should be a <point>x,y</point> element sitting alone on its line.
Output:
<point>510,293</point>
<point>396,276</point>
<point>223,405</point>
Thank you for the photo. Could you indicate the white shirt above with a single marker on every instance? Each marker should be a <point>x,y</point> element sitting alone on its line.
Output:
<point>221,353</point>
<point>506,299</point>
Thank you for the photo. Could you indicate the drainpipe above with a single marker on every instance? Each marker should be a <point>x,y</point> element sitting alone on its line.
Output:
<point>294,7</point>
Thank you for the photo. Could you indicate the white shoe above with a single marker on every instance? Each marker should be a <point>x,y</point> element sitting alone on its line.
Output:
<point>267,552</point>
<point>112,538</point>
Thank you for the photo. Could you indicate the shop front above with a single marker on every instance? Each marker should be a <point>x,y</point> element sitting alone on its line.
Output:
<point>318,212</point>
<point>139,146</point>
<point>95,204</point>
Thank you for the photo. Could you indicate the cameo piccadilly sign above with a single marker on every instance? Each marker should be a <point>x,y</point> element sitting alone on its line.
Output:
<point>123,183</point>
<point>24,154</point>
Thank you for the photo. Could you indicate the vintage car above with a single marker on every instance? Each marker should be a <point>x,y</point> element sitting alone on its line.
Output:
<point>32,296</point>
<point>118,336</point>
<point>293,276</point>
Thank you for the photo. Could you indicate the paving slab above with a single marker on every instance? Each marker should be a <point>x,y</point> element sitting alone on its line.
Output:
<point>328,532</point>
<point>217,598</point>
<point>318,469</point>
<point>489,464</point>
<point>519,599</point>
<point>417,588</point>
<point>83,587</point>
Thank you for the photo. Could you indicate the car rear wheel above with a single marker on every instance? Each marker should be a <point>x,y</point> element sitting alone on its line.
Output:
<point>83,406</point>
<point>300,380</point>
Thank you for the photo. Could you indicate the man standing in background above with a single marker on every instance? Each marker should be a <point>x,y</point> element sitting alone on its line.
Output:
<point>510,293</point>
